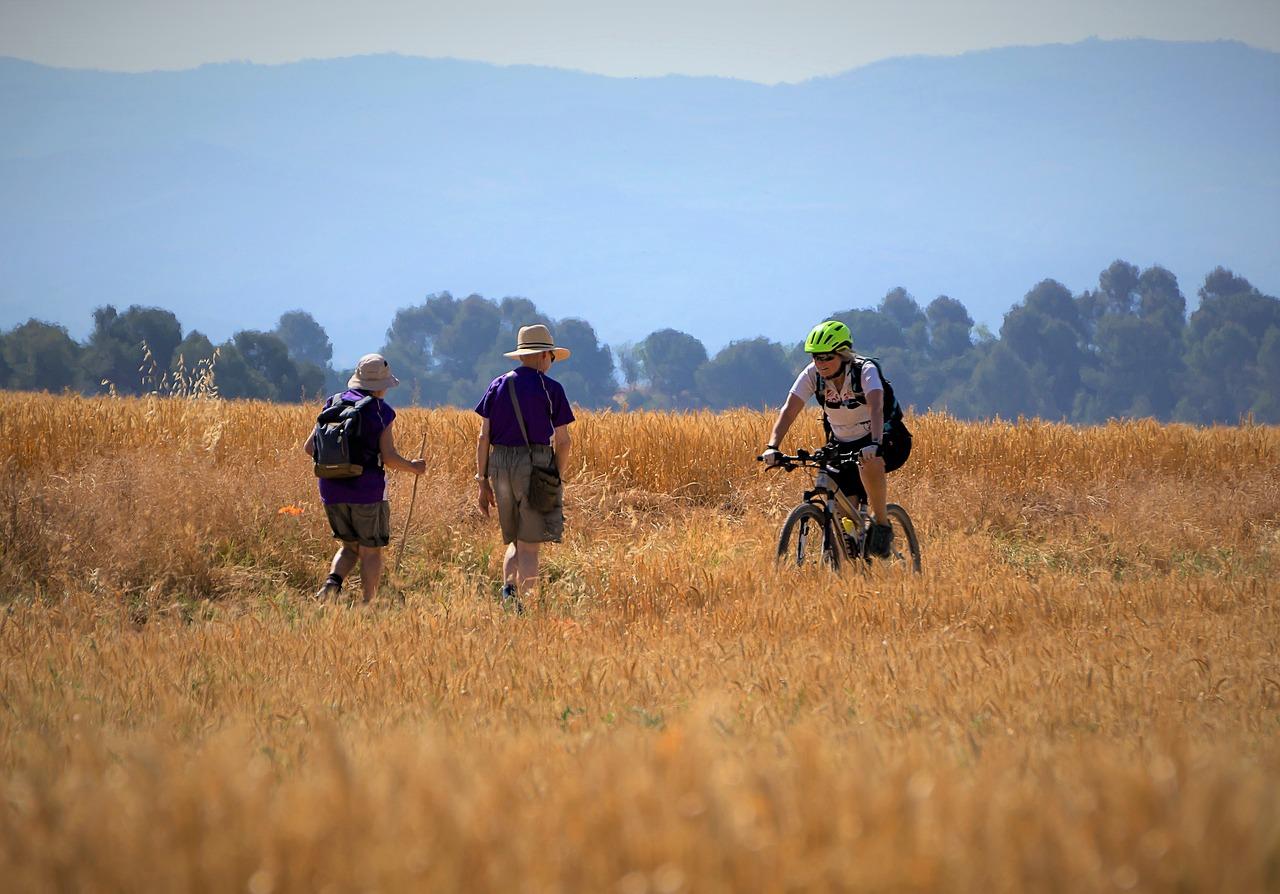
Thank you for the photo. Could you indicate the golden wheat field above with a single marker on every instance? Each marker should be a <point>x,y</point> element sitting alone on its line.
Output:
<point>1081,691</point>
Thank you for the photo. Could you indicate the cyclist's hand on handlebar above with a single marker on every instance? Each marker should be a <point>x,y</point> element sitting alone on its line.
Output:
<point>870,451</point>
<point>771,457</point>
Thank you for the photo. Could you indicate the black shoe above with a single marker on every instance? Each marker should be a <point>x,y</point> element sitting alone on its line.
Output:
<point>511,599</point>
<point>880,541</point>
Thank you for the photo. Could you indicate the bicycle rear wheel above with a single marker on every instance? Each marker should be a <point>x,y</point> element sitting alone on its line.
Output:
<point>808,538</point>
<point>906,545</point>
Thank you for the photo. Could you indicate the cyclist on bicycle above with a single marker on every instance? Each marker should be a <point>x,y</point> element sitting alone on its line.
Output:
<point>863,422</point>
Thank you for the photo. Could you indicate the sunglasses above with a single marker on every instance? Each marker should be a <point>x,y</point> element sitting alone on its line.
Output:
<point>824,358</point>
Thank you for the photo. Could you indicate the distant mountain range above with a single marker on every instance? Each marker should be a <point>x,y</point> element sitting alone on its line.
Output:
<point>352,187</point>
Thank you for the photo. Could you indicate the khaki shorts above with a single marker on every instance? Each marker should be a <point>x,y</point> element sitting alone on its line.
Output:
<point>509,470</point>
<point>368,524</point>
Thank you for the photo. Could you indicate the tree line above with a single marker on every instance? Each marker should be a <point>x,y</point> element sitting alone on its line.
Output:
<point>1124,349</point>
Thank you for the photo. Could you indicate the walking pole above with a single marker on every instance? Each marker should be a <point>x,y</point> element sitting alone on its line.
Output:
<point>413,499</point>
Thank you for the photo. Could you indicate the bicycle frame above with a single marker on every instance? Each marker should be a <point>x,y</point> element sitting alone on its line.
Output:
<point>825,492</point>
<point>826,498</point>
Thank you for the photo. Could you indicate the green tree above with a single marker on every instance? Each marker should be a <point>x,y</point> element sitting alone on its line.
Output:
<point>629,364</point>
<point>749,373</point>
<point>235,378</point>
<point>468,339</point>
<point>1136,361</point>
<point>1000,386</point>
<point>40,356</point>
<point>950,328</point>
<point>305,339</point>
<point>1266,406</point>
<point>902,310</point>
<point>1044,332</point>
<point>587,376</point>
<point>871,330</point>
<point>411,348</point>
<point>267,372</point>
<point>669,360</point>
<point>1119,286</point>
<point>1133,376</point>
<point>116,345</point>
<point>1160,301</point>
<point>1223,343</point>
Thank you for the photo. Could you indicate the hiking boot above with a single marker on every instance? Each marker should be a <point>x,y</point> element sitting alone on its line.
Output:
<point>880,541</point>
<point>511,599</point>
<point>328,592</point>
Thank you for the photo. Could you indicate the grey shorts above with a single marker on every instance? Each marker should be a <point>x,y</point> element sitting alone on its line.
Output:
<point>368,524</point>
<point>509,470</point>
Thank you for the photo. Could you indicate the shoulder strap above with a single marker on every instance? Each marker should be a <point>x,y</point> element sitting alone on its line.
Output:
<point>551,413</point>
<point>515,405</point>
<point>855,373</point>
<point>820,395</point>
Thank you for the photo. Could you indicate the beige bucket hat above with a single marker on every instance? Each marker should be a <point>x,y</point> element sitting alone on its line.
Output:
<point>534,340</point>
<point>373,373</point>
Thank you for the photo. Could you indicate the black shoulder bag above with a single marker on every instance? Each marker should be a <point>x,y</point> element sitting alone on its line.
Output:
<point>544,484</point>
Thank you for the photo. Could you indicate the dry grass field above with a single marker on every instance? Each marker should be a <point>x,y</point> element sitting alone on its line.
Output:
<point>1081,692</point>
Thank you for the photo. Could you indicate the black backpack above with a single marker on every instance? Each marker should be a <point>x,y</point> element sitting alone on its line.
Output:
<point>892,410</point>
<point>337,444</point>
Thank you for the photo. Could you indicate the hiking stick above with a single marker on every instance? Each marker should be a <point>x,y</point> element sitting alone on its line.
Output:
<point>413,499</point>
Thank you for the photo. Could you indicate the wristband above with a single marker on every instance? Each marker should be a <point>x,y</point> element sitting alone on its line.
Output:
<point>479,477</point>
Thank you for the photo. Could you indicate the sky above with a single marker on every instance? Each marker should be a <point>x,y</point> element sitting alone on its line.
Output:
<point>768,41</point>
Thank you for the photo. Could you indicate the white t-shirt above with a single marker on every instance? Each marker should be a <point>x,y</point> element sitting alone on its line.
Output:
<point>847,411</point>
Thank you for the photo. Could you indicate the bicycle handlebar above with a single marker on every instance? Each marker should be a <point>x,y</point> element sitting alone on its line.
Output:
<point>817,459</point>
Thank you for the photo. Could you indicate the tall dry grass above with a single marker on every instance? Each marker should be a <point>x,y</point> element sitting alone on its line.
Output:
<point>1081,692</point>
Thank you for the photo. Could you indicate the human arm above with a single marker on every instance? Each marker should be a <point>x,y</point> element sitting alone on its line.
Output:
<point>561,444</point>
<point>306,445</point>
<point>484,495</point>
<point>875,405</point>
<point>391,458</point>
<point>786,417</point>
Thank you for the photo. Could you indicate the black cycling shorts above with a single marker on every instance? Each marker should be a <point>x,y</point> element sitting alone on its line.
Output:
<point>895,448</point>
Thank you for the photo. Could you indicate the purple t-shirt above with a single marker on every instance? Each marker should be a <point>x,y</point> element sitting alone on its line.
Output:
<point>371,487</point>
<point>542,403</point>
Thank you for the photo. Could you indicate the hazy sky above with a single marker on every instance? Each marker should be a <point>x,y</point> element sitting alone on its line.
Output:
<point>761,40</point>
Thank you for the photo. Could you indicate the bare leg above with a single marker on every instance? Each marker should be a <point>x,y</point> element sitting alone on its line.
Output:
<point>370,570</point>
<point>345,559</point>
<point>526,566</point>
<point>873,480</point>
<point>509,571</point>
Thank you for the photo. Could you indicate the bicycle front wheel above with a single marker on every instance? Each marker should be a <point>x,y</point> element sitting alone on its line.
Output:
<point>808,538</point>
<point>906,545</point>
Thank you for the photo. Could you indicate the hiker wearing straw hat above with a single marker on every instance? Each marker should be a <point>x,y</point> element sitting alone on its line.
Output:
<point>521,456</point>
<point>352,444</point>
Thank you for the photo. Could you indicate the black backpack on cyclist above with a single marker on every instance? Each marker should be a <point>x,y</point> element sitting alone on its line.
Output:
<point>892,409</point>
<point>337,444</point>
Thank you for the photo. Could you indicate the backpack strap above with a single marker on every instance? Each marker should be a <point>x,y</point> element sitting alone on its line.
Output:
<point>820,395</point>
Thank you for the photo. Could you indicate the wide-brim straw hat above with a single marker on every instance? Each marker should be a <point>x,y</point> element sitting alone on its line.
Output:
<point>534,340</point>
<point>373,373</point>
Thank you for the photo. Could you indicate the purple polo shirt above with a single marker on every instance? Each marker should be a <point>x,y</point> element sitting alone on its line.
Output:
<point>542,403</point>
<point>371,487</point>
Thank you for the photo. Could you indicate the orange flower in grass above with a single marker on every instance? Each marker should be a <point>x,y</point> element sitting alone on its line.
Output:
<point>289,510</point>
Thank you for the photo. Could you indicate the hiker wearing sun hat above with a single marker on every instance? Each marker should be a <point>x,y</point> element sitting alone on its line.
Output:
<point>521,457</point>
<point>352,444</point>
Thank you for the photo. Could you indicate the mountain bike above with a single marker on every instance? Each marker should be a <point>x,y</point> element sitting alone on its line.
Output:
<point>829,528</point>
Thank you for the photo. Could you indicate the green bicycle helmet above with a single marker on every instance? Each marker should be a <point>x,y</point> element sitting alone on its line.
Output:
<point>827,337</point>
